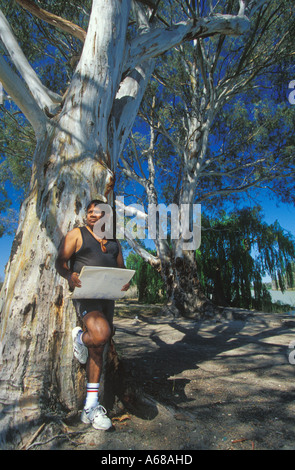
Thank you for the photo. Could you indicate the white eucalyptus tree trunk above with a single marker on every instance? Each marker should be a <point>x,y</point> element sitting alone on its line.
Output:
<point>73,163</point>
<point>75,160</point>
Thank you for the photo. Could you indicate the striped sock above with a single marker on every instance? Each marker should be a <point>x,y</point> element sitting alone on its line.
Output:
<point>92,395</point>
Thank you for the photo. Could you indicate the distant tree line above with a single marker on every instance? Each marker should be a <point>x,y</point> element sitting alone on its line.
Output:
<point>149,283</point>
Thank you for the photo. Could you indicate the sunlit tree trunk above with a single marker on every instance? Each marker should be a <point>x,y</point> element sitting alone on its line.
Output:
<point>72,164</point>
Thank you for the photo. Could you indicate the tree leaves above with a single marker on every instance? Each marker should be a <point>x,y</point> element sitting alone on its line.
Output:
<point>237,250</point>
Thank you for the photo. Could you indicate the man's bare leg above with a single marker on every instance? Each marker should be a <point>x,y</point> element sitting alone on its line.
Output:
<point>95,337</point>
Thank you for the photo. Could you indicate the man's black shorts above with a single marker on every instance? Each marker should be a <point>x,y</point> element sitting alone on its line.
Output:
<point>84,306</point>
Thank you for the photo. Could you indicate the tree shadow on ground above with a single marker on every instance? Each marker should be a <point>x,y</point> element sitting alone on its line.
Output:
<point>156,372</point>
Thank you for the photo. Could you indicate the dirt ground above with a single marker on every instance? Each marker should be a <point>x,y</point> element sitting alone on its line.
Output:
<point>225,384</point>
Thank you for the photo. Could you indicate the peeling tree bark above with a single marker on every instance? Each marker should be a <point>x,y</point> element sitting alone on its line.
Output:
<point>71,166</point>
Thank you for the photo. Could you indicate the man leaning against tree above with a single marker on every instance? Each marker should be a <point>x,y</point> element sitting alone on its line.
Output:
<point>82,247</point>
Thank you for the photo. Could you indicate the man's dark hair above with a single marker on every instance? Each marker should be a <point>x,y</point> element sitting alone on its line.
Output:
<point>95,202</point>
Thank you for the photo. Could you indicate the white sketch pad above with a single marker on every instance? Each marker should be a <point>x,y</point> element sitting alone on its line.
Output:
<point>102,283</point>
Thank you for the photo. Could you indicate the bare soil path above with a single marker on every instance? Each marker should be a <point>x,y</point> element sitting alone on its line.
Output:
<point>207,385</point>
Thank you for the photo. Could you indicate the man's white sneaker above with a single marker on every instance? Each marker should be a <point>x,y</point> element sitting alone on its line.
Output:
<point>97,417</point>
<point>80,350</point>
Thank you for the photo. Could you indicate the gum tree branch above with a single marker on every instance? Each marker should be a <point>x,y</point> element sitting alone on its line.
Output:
<point>15,87</point>
<point>44,98</point>
<point>60,23</point>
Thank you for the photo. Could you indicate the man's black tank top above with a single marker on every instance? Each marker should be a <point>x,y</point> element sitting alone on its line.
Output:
<point>91,254</point>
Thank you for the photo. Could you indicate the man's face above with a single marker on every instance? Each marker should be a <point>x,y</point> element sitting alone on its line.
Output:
<point>93,215</point>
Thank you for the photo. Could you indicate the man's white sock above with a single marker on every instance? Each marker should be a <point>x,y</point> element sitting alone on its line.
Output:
<point>92,395</point>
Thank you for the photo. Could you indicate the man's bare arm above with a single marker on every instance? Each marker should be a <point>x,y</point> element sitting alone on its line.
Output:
<point>66,250</point>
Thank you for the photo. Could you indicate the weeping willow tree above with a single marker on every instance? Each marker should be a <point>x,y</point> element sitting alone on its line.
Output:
<point>237,250</point>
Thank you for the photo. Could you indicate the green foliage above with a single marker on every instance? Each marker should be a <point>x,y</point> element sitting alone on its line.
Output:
<point>149,283</point>
<point>237,250</point>
<point>17,144</point>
